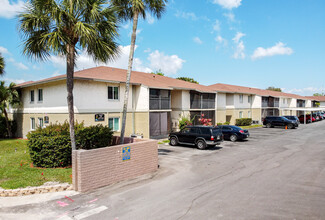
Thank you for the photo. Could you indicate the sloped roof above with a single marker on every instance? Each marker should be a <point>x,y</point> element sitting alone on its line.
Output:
<point>317,98</point>
<point>220,87</point>
<point>110,74</point>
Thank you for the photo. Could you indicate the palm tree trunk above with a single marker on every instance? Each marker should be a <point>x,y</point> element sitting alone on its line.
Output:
<point>7,122</point>
<point>128,74</point>
<point>70,72</point>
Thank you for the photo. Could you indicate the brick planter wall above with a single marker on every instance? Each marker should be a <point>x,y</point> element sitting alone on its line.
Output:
<point>101,167</point>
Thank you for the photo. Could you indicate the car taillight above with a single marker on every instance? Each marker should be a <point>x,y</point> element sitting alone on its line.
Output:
<point>212,138</point>
<point>241,131</point>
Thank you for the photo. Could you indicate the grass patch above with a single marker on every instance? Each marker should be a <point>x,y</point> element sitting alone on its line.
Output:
<point>251,126</point>
<point>163,142</point>
<point>16,168</point>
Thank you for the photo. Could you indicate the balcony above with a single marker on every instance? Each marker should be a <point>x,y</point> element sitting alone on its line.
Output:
<point>202,100</point>
<point>159,99</point>
<point>270,102</point>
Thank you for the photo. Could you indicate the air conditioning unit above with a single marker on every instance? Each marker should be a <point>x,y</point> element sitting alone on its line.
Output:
<point>255,122</point>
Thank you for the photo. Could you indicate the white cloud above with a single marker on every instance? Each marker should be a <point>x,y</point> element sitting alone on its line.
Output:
<point>169,65</point>
<point>186,15</point>
<point>197,40</point>
<point>9,9</point>
<point>228,4</point>
<point>4,50</point>
<point>21,66</point>
<point>216,26</point>
<point>150,19</point>
<point>239,46</point>
<point>238,36</point>
<point>127,25</point>
<point>148,50</point>
<point>17,81</point>
<point>221,40</point>
<point>278,49</point>
<point>230,16</point>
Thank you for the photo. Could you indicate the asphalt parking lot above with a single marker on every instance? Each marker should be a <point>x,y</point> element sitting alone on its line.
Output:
<point>275,174</point>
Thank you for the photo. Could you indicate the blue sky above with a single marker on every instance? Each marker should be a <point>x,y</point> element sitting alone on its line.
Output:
<point>257,43</point>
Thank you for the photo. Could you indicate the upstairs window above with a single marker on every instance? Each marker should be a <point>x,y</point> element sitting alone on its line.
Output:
<point>249,99</point>
<point>113,92</point>
<point>40,95</point>
<point>32,96</point>
<point>241,98</point>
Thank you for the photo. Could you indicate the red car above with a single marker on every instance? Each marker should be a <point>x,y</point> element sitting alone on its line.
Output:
<point>302,119</point>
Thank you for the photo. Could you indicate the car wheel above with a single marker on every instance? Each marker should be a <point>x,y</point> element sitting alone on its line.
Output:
<point>233,138</point>
<point>290,126</point>
<point>173,141</point>
<point>268,125</point>
<point>201,144</point>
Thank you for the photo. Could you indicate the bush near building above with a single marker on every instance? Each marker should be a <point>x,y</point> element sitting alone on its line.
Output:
<point>4,129</point>
<point>243,122</point>
<point>51,146</point>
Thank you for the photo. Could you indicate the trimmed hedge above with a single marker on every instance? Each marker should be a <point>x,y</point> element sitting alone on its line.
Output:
<point>243,122</point>
<point>3,127</point>
<point>51,146</point>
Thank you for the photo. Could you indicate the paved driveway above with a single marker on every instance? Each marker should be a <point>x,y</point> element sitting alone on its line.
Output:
<point>276,174</point>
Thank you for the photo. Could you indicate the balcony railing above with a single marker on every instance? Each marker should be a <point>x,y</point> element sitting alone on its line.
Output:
<point>159,99</point>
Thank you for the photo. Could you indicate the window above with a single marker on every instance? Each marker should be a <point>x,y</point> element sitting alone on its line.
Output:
<point>32,123</point>
<point>240,114</point>
<point>113,92</point>
<point>249,114</point>
<point>241,98</point>
<point>32,98</point>
<point>114,124</point>
<point>249,99</point>
<point>40,95</point>
<point>40,122</point>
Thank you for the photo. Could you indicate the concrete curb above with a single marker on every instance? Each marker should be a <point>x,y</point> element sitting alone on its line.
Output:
<point>35,190</point>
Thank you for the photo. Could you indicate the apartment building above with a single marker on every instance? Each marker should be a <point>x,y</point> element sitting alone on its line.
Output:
<point>155,105</point>
<point>236,102</point>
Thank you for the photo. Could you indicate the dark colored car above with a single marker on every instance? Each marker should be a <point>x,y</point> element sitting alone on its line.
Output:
<point>272,121</point>
<point>201,136</point>
<point>233,133</point>
<point>293,118</point>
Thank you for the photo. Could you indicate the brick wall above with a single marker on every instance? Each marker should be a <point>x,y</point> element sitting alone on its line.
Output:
<point>101,167</point>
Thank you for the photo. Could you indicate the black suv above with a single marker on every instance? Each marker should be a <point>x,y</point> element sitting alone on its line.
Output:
<point>201,136</point>
<point>271,121</point>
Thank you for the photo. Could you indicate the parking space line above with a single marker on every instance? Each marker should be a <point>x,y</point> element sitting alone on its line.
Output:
<point>90,212</point>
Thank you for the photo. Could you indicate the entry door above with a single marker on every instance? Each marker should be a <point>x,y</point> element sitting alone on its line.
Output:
<point>158,124</point>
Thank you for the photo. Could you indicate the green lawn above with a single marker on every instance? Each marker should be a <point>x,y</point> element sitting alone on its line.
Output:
<point>251,126</point>
<point>16,168</point>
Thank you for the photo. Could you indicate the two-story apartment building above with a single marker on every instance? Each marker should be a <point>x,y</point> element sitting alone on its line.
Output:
<point>154,107</point>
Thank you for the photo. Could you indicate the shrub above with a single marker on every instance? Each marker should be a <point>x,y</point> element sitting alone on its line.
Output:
<point>94,137</point>
<point>243,122</point>
<point>227,123</point>
<point>183,122</point>
<point>51,146</point>
<point>219,123</point>
<point>3,127</point>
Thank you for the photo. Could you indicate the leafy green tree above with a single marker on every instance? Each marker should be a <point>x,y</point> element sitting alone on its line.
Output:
<point>319,94</point>
<point>272,88</point>
<point>188,79</point>
<point>158,72</point>
<point>131,10</point>
<point>8,96</point>
<point>60,27</point>
<point>2,65</point>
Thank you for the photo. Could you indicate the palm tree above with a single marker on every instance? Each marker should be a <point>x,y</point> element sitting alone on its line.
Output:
<point>8,96</point>
<point>131,10</point>
<point>60,27</point>
<point>2,65</point>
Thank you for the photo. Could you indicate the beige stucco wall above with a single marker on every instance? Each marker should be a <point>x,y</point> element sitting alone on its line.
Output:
<point>140,125</point>
<point>255,114</point>
<point>221,116</point>
<point>176,116</point>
